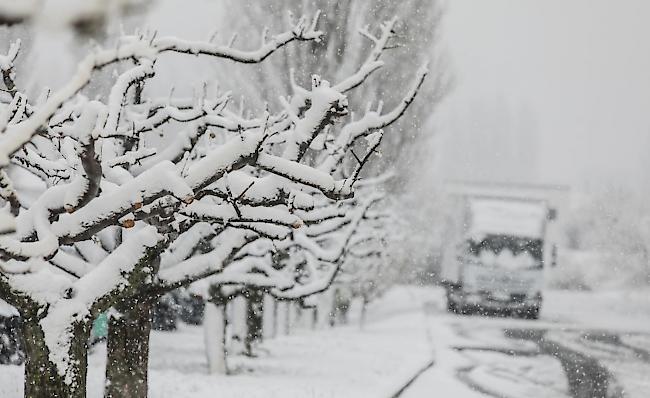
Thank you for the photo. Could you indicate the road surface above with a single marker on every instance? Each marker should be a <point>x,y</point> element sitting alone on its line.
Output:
<point>581,348</point>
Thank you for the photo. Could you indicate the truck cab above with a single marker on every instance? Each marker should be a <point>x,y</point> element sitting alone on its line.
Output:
<point>497,251</point>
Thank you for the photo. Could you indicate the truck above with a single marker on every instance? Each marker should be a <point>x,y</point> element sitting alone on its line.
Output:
<point>498,246</point>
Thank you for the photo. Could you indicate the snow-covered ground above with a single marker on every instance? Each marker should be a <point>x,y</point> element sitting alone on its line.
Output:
<point>606,334</point>
<point>585,341</point>
<point>622,310</point>
<point>340,362</point>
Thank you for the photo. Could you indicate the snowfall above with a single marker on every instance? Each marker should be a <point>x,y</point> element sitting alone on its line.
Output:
<point>585,343</point>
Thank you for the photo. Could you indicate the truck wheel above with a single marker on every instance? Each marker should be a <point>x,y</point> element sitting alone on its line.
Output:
<point>452,306</point>
<point>467,310</point>
<point>532,313</point>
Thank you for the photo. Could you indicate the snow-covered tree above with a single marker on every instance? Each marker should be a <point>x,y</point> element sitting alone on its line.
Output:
<point>300,265</point>
<point>102,219</point>
<point>308,259</point>
<point>60,272</point>
<point>410,36</point>
<point>408,31</point>
<point>368,270</point>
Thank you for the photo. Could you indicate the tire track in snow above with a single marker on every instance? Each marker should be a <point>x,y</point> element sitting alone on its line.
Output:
<point>513,375</point>
<point>586,376</point>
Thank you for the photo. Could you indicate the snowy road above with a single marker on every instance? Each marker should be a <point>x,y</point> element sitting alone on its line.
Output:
<point>587,345</point>
<point>578,349</point>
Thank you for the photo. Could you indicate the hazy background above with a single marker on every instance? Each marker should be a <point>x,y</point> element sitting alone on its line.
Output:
<point>554,92</point>
<point>571,78</point>
<point>550,91</point>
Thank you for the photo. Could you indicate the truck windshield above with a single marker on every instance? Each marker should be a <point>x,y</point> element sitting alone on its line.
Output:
<point>503,250</point>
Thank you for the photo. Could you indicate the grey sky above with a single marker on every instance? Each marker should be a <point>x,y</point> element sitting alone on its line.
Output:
<point>582,68</point>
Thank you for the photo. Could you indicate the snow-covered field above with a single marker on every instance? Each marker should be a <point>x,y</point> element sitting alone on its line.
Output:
<point>407,328</point>
<point>340,362</point>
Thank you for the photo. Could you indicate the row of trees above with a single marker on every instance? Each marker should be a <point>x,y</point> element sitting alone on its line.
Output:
<point>98,219</point>
<point>365,269</point>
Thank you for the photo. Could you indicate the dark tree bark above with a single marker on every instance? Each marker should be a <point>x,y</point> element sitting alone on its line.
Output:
<point>287,317</point>
<point>11,351</point>
<point>331,316</point>
<point>364,311</point>
<point>254,319</point>
<point>42,378</point>
<point>276,320</point>
<point>128,351</point>
<point>314,318</point>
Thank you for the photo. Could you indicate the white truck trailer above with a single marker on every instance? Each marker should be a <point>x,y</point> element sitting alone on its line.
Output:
<point>498,247</point>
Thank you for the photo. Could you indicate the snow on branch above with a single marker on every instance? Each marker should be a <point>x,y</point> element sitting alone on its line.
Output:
<point>96,215</point>
<point>326,106</point>
<point>306,175</point>
<point>144,50</point>
<point>7,67</point>
<point>370,122</point>
<point>204,265</point>
<point>302,30</point>
<point>224,214</point>
<point>336,251</point>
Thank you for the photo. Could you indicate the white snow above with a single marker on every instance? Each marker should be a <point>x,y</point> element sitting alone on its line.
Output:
<point>507,217</point>
<point>506,259</point>
<point>347,362</point>
<point>406,329</point>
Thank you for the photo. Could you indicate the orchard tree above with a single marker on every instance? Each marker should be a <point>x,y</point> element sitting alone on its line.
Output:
<point>291,269</point>
<point>64,264</point>
<point>116,222</point>
<point>308,260</point>
<point>369,269</point>
<point>407,30</point>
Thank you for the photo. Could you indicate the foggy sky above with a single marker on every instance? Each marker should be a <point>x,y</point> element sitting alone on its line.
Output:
<point>579,70</point>
<point>580,67</point>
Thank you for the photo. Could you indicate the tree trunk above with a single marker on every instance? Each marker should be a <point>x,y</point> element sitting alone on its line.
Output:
<point>334,309</point>
<point>254,320</point>
<point>314,318</point>
<point>128,351</point>
<point>42,378</point>
<point>287,317</point>
<point>276,319</point>
<point>284,318</point>
<point>364,311</point>
<point>269,317</point>
<point>214,328</point>
<point>236,320</point>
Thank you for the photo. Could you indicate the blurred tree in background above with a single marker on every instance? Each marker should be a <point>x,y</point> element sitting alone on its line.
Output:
<point>351,28</point>
<point>349,25</point>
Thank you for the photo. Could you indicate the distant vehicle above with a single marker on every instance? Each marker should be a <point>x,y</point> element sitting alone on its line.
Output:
<point>497,250</point>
